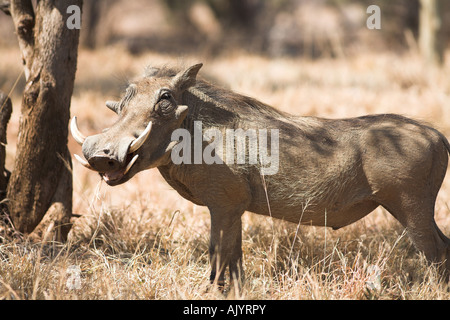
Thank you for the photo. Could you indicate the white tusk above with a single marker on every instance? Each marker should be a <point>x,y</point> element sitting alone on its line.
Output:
<point>76,134</point>
<point>82,161</point>
<point>130,164</point>
<point>141,139</point>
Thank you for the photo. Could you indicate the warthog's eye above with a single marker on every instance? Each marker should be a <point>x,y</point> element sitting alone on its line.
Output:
<point>165,103</point>
<point>165,96</point>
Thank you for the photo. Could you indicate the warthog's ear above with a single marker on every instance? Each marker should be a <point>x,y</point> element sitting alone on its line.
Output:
<point>113,105</point>
<point>186,78</point>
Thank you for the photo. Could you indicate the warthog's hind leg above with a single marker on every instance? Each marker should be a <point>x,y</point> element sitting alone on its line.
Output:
<point>417,215</point>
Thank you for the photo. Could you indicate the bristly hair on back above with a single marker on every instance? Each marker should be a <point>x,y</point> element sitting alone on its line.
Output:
<point>161,71</point>
<point>226,98</point>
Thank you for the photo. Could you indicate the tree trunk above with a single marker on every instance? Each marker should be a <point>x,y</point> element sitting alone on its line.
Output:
<point>430,37</point>
<point>5,115</point>
<point>41,181</point>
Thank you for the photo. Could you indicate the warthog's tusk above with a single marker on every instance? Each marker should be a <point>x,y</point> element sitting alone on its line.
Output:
<point>83,162</point>
<point>130,164</point>
<point>76,134</point>
<point>141,139</point>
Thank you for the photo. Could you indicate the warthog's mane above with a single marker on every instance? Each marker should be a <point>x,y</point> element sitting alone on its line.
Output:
<point>224,98</point>
<point>230,109</point>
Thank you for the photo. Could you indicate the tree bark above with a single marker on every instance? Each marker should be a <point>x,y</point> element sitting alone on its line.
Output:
<point>42,175</point>
<point>5,115</point>
<point>430,37</point>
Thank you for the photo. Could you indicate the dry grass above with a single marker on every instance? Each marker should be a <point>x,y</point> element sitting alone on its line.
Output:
<point>141,240</point>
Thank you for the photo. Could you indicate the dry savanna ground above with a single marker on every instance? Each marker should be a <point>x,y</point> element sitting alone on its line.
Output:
<point>141,240</point>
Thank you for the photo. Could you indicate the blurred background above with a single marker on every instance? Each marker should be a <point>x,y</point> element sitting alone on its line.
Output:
<point>306,28</point>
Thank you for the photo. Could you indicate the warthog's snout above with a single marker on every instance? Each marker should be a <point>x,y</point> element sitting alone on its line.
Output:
<point>103,162</point>
<point>113,160</point>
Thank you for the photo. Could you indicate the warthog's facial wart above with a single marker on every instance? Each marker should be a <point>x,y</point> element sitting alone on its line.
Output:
<point>140,139</point>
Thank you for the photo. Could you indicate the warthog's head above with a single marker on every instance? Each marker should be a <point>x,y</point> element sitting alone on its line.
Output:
<point>141,138</point>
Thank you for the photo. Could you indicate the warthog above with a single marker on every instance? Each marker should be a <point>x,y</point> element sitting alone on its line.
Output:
<point>331,172</point>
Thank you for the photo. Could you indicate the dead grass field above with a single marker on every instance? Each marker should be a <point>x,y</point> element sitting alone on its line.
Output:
<point>141,240</point>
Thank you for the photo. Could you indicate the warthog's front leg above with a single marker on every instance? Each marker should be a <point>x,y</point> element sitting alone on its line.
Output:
<point>226,246</point>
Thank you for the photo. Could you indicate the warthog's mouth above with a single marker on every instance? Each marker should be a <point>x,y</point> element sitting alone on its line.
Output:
<point>116,177</point>
<point>120,175</point>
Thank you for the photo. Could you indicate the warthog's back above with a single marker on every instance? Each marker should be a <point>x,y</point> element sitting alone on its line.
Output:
<point>340,167</point>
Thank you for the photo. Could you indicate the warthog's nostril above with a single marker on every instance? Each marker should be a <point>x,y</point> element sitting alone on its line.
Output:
<point>104,163</point>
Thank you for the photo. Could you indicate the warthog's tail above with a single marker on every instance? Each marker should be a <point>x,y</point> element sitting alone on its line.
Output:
<point>445,140</point>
